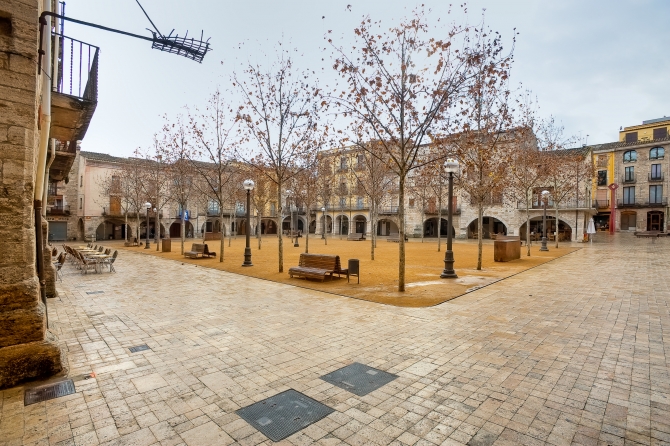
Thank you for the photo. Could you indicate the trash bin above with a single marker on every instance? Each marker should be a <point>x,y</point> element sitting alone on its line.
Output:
<point>354,269</point>
<point>166,244</point>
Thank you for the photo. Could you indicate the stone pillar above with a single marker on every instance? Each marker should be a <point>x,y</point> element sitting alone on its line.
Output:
<point>27,349</point>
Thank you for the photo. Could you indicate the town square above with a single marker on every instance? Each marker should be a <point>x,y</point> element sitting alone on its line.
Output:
<point>338,224</point>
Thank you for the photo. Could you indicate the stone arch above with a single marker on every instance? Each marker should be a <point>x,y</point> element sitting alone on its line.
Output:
<point>175,229</point>
<point>152,225</point>
<point>341,224</point>
<point>387,226</point>
<point>312,226</point>
<point>492,225</point>
<point>360,223</point>
<point>564,229</point>
<point>268,226</point>
<point>299,222</point>
<point>430,227</point>
<point>329,220</point>
<point>111,229</point>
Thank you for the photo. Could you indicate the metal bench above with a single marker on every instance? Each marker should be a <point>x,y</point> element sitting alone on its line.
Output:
<point>318,266</point>
<point>356,236</point>
<point>199,250</point>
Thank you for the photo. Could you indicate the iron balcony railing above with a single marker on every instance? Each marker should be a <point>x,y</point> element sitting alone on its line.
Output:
<point>77,68</point>
<point>570,204</point>
<point>445,210</point>
<point>601,204</point>
<point>628,179</point>
<point>58,209</point>
<point>655,176</point>
<point>653,203</point>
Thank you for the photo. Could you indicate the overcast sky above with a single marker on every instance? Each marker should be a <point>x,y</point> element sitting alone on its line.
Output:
<point>594,65</point>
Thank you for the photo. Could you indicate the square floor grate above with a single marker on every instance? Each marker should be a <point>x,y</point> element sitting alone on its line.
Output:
<point>48,392</point>
<point>359,379</point>
<point>284,414</point>
<point>139,348</point>
<point>95,292</point>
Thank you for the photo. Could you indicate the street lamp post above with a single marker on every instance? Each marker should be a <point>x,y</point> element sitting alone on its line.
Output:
<point>545,198</point>
<point>148,206</point>
<point>451,167</point>
<point>248,186</point>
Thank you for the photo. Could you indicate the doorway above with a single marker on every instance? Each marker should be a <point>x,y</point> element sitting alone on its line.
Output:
<point>655,221</point>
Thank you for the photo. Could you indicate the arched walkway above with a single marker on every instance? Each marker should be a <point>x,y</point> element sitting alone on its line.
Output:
<point>491,225</point>
<point>152,226</point>
<point>360,224</point>
<point>430,228</point>
<point>342,224</point>
<point>268,226</point>
<point>298,221</point>
<point>175,229</point>
<point>212,227</point>
<point>329,228</point>
<point>111,230</point>
<point>312,226</point>
<point>387,227</point>
<point>536,230</point>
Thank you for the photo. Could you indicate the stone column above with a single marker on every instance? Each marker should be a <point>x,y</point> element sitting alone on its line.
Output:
<point>27,349</point>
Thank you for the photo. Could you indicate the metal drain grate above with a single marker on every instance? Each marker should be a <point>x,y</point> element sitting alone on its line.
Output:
<point>48,392</point>
<point>139,348</point>
<point>359,379</point>
<point>284,414</point>
<point>95,292</point>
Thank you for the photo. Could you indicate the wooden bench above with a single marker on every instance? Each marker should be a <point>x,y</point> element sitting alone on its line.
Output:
<point>199,249</point>
<point>653,235</point>
<point>318,266</point>
<point>356,236</point>
<point>395,237</point>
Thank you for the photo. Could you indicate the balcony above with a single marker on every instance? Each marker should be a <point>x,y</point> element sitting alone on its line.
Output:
<point>73,100</point>
<point>177,214</point>
<point>659,203</point>
<point>654,177</point>
<point>601,204</point>
<point>629,179</point>
<point>435,211</point>
<point>58,209</point>
<point>656,203</point>
<point>570,204</point>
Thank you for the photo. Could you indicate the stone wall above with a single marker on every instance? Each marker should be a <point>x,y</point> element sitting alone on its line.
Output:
<point>27,349</point>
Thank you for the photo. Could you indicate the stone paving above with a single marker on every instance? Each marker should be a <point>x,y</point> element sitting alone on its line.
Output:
<point>570,352</point>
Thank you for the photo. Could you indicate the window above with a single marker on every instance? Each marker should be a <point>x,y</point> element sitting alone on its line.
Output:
<point>602,178</point>
<point>656,172</point>
<point>359,203</point>
<point>81,203</point>
<point>661,133</point>
<point>629,174</point>
<point>656,153</point>
<point>213,207</point>
<point>361,161</point>
<point>81,181</point>
<point>273,209</point>
<point>656,194</point>
<point>631,137</point>
<point>629,195</point>
<point>411,202</point>
<point>629,156</point>
<point>602,161</point>
<point>343,202</point>
<point>53,188</point>
<point>343,163</point>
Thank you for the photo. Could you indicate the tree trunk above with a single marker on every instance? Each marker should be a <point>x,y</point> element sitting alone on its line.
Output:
<point>223,235</point>
<point>258,229</point>
<point>325,228</point>
<point>373,233</point>
<point>307,240</point>
<point>527,226</point>
<point>423,216</point>
<point>279,228</point>
<point>126,231</point>
<point>230,228</point>
<point>401,230</point>
<point>157,229</point>
<point>480,235</point>
<point>556,233</point>
<point>182,231</point>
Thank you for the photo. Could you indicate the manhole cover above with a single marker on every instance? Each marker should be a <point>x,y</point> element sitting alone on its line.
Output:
<point>48,392</point>
<point>359,379</point>
<point>138,348</point>
<point>284,414</point>
<point>95,292</point>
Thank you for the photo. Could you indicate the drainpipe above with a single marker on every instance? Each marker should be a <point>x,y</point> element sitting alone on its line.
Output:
<point>46,178</point>
<point>45,124</point>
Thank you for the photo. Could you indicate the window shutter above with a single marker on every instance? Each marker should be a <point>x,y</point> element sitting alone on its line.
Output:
<point>631,137</point>
<point>661,133</point>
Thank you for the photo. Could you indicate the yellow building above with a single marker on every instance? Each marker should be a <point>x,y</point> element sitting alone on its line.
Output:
<point>651,130</point>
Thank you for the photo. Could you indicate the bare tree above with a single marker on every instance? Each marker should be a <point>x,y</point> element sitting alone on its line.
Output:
<point>133,186</point>
<point>374,179</point>
<point>324,188</point>
<point>420,186</point>
<point>180,170</point>
<point>157,182</point>
<point>280,123</point>
<point>262,195</point>
<point>214,139</point>
<point>399,86</point>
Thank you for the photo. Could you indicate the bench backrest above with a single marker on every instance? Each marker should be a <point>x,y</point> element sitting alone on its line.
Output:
<point>508,237</point>
<point>205,249</point>
<point>198,247</point>
<point>321,261</point>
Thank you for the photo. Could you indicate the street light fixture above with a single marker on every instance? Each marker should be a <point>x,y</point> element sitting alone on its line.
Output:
<point>451,167</point>
<point>545,199</point>
<point>148,206</point>
<point>248,186</point>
